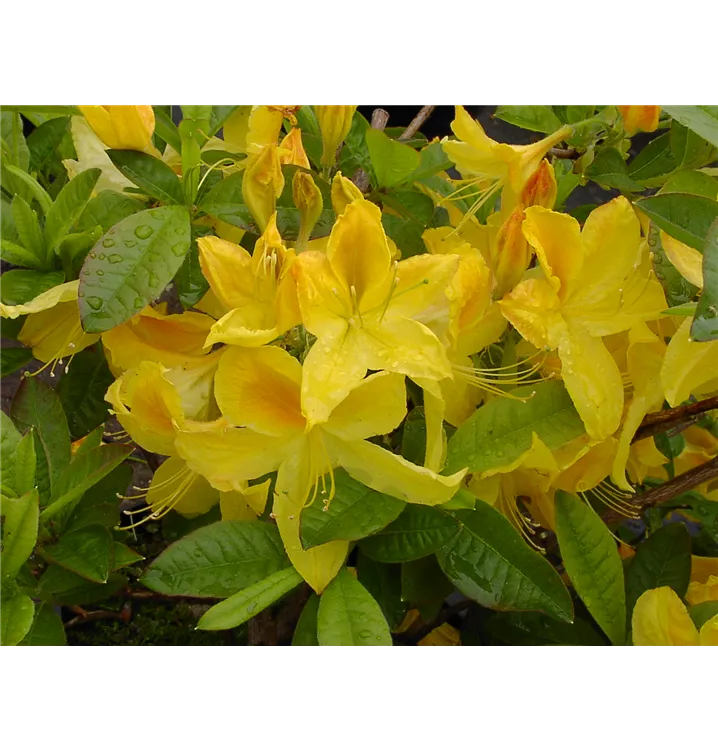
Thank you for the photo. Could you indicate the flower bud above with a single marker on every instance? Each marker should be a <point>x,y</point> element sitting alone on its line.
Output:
<point>308,199</point>
<point>262,184</point>
<point>344,191</point>
<point>334,122</point>
<point>291,149</point>
<point>121,126</point>
<point>512,254</point>
<point>639,117</point>
<point>540,189</point>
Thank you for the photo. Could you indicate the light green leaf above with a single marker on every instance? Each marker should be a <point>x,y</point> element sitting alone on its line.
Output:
<point>19,287</point>
<point>47,628</point>
<point>32,186</point>
<point>592,563</point>
<point>250,602</point>
<point>685,217</point>
<point>68,206</point>
<point>9,440</point>
<point>15,145</point>
<point>701,119</point>
<point>705,321</point>
<point>419,531</point>
<point>349,615</point>
<point>393,162</point>
<point>501,431</point>
<point>489,562</point>
<point>305,633</point>
<point>150,174</point>
<point>107,209</point>
<point>24,465</point>
<point>218,560</point>
<point>88,552</point>
<point>531,117</point>
<point>19,256</point>
<point>131,265</point>
<point>28,228</point>
<point>19,531</point>
<point>694,182</point>
<point>690,150</point>
<point>16,613</point>
<point>355,512</point>
<point>432,161</point>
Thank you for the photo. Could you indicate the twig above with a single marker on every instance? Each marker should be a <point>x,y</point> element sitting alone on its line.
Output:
<point>151,596</point>
<point>423,115</point>
<point>124,614</point>
<point>662,421</point>
<point>563,153</point>
<point>379,119</point>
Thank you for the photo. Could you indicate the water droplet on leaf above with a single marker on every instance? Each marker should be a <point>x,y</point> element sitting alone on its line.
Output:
<point>94,302</point>
<point>143,231</point>
<point>108,242</point>
<point>115,258</point>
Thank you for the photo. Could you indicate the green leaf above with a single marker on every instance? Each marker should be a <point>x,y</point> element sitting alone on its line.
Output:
<point>664,559</point>
<point>125,556</point>
<point>305,633</point>
<point>393,162</point>
<point>151,175</point>
<point>69,205</point>
<point>432,161</point>
<point>701,119</point>
<point>88,552</point>
<point>166,129</point>
<point>19,531</point>
<point>678,290</point>
<point>423,582</point>
<point>245,604</point>
<point>701,613</point>
<point>19,287</point>
<point>191,283</point>
<point>567,181</point>
<point>355,512</point>
<point>99,504</point>
<point>489,562</point>
<point>383,582</point>
<point>131,265</point>
<point>65,587</point>
<point>43,141</point>
<point>37,405</point>
<point>28,228</point>
<point>220,113</point>
<point>15,146</point>
<point>9,440</point>
<point>19,256</point>
<point>16,613</point>
<point>705,321</point>
<point>652,165</point>
<point>413,436</point>
<point>86,470</point>
<point>12,359</point>
<point>502,430</point>
<point>19,472</point>
<point>610,171</point>
<point>73,250</point>
<point>226,203</point>
<point>47,628</point>
<point>218,560</point>
<point>694,182</point>
<point>349,615</point>
<point>534,629</point>
<point>690,150</point>
<point>31,187</point>
<point>532,117</point>
<point>419,531</point>
<point>82,391</point>
<point>107,209</point>
<point>685,217</point>
<point>592,563</point>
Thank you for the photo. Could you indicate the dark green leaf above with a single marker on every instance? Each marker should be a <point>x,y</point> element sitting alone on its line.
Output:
<point>502,430</point>
<point>27,226</point>
<point>393,162</point>
<point>419,531</point>
<point>413,437</point>
<point>16,614</point>
<point>191,283</point>
<point>701,119</point>
<point>69,205</point>
<point>99,504</point>
<point>249,602</point>
<point>47,628</point>
<point>701,613</point>
<point>305,634</point>
<point>355,512</point>
<point>218,560</point>
<point>82,391</point>
<point>534,629</point>
<point>43,141</point>
<point>383,582</point>
<point>166,129</point>
<point>423,582</point>
<point>489,562</point>
<point>349,615</point>
<point>12,359</point>
<point>226,203</point>
<point>37,405</point>
<point>107,209</point>
<point>151,175</point>
<point>532,117</point>
<point>19,532</point>
<point>124,556</point>
<point>63,586</point>
<point>131,265</point>
<point>678,290</point>
<point>610,171</point>
<point>73,249</point>
<point>89,552</point>
<point>654,163</point>
<point>705,321</point>
<point>592,563</point>
<point>685,217</point>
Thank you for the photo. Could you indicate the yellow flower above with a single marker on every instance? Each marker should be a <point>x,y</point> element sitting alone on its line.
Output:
<point>308,199</point>
<point>334,123</point>
<point>262,184</point>
<point>595,282</point>
<point>257,292</point>
<point>368,312</point>
<point>121,126</point>
<point>344,192</point>
<point>638,117</point>
<point>661,619</point>
<point>260,391</point>
<point>250,128</point>
<point>291,149</point>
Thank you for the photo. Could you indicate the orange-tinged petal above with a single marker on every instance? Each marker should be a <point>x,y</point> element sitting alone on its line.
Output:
<point>639,117</point>
<point>292,151</point>
<point>540,188</point>
<point>444,635</point>
<point>260,388</point>
<point>661,619</point>
<point>375,407</point>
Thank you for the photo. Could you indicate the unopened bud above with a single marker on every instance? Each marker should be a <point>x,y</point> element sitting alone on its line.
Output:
<point>344,192</point>
<point>262,184</point>
<point>122,126</point>
<point>334,122</point>
<point>639,117</point>
<point>540,189</point>
<point>512,254</point>
<point>291,149</point>
<point>308,199</point>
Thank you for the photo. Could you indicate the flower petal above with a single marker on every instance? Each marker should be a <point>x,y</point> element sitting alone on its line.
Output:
<point>661,619</point>
<point>687,260</point>
<point>228,269</point>
<point>688,365</point>
<point>45,301</point>
<point>56,333</point>
<point>175,486</point>
<point>709,632</point>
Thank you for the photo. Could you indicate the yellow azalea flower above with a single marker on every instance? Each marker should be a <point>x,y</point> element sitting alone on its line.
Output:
<point>639,117</point>
<point>596,282</point>
<point>52,329</point>
<point>488,166</point>
<point>444,635</point>
<point>661,619</point>
<point>700,446</point>
<point>259,390</point>
<point>344,192</point>
<point>291,149</point>
<point>308,199</point>
<point>334,123</point>
<point>645,460</point>
<point>368,312</point>
<point>703,592</point>
<point>262,184</point>
<point>122,126</point>
<point>257,292</point>
<point>250,128</point>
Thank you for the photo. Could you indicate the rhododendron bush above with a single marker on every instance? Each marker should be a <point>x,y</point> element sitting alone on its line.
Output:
<point>375,389</point>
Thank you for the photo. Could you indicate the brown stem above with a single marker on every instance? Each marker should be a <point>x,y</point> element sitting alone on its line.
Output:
<point>379,119</point>
<point>678,416</point>
<point>422,116</point>
<point>124,614</point>
<point>151,596</point>
<point>563,153</point>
